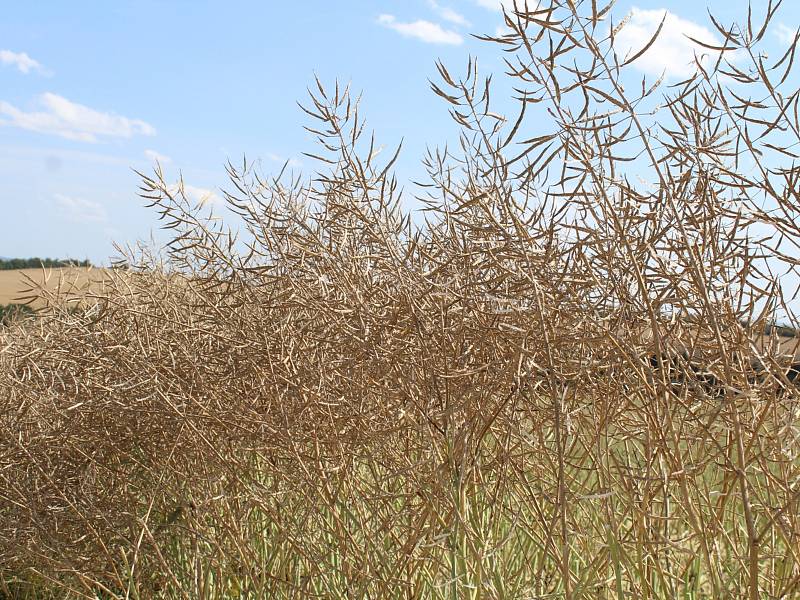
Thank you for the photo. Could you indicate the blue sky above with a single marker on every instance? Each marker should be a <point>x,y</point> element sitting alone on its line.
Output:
<point>91,90</point>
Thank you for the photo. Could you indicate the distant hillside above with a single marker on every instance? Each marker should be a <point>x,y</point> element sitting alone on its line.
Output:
<point>7,264</point>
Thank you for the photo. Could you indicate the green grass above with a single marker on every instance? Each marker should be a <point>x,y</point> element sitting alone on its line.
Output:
<point>361,533</point>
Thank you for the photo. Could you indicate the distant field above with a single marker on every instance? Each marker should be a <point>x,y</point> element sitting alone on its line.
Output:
<point>13,284</point>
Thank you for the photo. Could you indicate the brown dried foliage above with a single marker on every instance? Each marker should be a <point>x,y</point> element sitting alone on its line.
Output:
<point>342,402</point>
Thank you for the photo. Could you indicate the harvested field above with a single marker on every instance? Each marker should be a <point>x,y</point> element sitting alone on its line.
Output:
<point>15,286</point>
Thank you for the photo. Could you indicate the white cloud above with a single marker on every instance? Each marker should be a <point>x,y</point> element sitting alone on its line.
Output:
<point>431,33</point>
<point>201,196</point>
<point>784,33</point>
<point>154,156</point>
<point>20,60</point>
<point>498,5</point>
<point>673,52</point>
<point>293,162</point>
<point>80,210</point>
<point>73,121</point>
<point>502,30</point>
<point>448,14</point>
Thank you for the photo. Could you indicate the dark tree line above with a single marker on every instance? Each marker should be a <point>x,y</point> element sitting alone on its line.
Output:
<point>7,264</point>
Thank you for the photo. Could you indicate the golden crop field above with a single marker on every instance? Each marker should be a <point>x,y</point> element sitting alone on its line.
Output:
<point>15,284</point>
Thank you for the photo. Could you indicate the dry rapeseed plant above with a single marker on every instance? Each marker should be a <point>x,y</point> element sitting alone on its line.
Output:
<point>555,386</point>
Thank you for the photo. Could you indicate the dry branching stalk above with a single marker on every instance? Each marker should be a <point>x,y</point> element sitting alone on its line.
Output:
<point>557,385</point>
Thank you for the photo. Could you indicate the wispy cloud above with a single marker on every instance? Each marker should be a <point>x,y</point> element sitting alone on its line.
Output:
<point>80,210</point>
<point>20,60</point>
<point>199,195</point>
<point>784,33</point>
<point>73,121</point>
<point>502,30</point>
<point>431,33</point>
<point>448,14</point>
<point>154,156</point>
<point>673,53</point>
<point>498,5</point>
<point>292,162</point>
<point>202,196</point>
